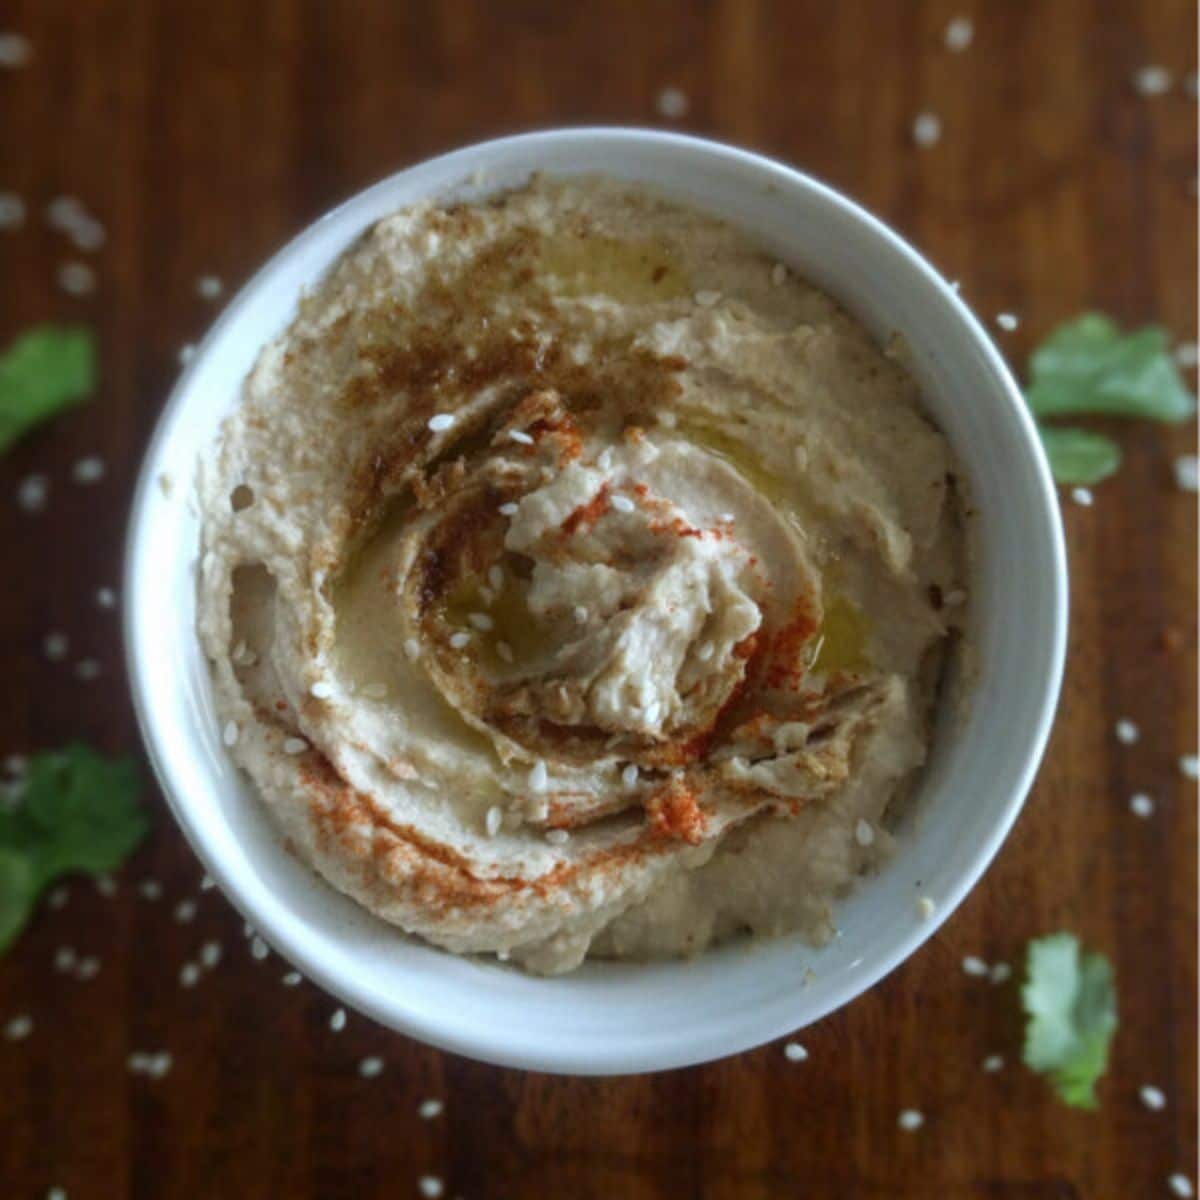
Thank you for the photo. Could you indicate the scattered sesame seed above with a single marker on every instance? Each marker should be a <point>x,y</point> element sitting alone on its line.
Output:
<point>1141,805</point>
<point>88,470</point>
<point>440,422</point>
<point>87,233</point>
<point>1180,1184</point>
<point>429,1109</point>
<point>15,50</point>
<point>1083,496</point>
<point>1152,1097</point>
<point>138,1061</point>
<point>106,597</point>
<point>1187,473</point>
<point>186,353</point>
<point>258,948</point>
<point>779,274</point>
<point>993,1063</point>
<point>291,979</point>
<point>481,621</point>
<point>707,299</point>
<point>629,776</point>
<point>794,1052</point>
<point>19,1027</point>
<point>955,598</point>
<point>159,1064</point>
<point>189,975</point>
<point>58,897</point>
<point>370,1067</point>
<point>337,1020</point>
<point>150,889</point>
<point>926,129</point>
<point>412,647</point>
<point>538,776</point>
<point>32,493</point>
<point>864,835</point>
<point>1189,764</point>
<point>106,886</point>
<point>496,576</point>
<point>558,837</point>
<point>800,457</point>
<point>1187,354</point>
<point>88,968</point>
<point>322,689</point>
<point>652,712</point>
<point>76,279</point>
<point>1000,972</point>
<point>56,1193</point>
<point>207,883</point>
<point>460,639</point>
<point>430,1186</point>
<point>974,965</point>
<point>208,287</point>
<point>493,820</point>
<point>87,669</point>
<point>294,745</point>
<point>12,211</point>
<point>1151,80</point>
<point>910,1120</point>
<point>1127,732</point>
<point>508,509</point>
<point>64,958</point>
<point>925,908</point>
<point>622,504</point>
<point>518,435</point>
<point>55,646</point>
<point>959,33</point>
<point>229,735</point>
<point>672,103</point>
<point>210,954</point>
<point>247,929</point>
<point>1007,321</point>
<point>185,911</point>
<point>505,651</point>
<point>705,651</point>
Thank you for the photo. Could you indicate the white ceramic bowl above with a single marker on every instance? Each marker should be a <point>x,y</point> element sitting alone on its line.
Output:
<point>606,1018</point>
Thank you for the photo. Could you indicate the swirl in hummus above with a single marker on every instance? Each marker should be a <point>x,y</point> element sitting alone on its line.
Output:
<point>578,581</point>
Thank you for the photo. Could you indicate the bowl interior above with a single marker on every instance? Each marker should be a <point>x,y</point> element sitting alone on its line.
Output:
<point>617,1018</point>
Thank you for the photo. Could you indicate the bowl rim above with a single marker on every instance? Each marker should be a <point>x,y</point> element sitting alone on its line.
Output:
<point>481,1041</point>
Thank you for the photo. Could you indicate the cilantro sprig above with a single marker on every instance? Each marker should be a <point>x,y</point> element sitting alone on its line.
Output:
<point>73,811</point>
<point>47,369</point>
<point>1088,367</point>
<point>1071,1004</point>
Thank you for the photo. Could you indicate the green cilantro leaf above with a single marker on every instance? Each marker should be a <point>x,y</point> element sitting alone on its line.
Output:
<point>1079,456</point>
<point>1089,366</point>
<point>74,811</point>
<point>1071,1005</point>
<point>48,368</point>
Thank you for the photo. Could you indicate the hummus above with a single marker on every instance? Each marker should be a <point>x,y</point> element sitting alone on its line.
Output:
<point>578,581</point>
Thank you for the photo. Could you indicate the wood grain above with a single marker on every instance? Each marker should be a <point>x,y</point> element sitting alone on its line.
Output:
<point>206,134</point>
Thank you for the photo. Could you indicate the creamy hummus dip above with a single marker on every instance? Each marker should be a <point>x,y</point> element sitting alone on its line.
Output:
<point>576,580</point>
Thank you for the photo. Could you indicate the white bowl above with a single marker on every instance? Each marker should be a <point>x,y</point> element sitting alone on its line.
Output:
<point>606,1018</point>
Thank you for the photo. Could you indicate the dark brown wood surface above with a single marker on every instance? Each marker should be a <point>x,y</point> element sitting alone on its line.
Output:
<point>204,135</point>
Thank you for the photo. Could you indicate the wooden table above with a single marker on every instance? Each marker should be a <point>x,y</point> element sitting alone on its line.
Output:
<point>204,135</point>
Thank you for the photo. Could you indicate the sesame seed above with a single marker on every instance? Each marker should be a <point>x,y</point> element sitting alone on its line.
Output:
<point>558,837</point>
<point>322,689</point>
<point>258,948</point>
<point>1152,1097</point>
<point>925,908</point>
<point>138,1061</point>
<point>652,713</point>
<point>1141,805</point>
<point>493,820</point>
<point>189,975</point>
<point>779,274</point>
<point>459,640</point>
<point>186,353</point>
<point>87,233</point>
<point>76,279</point>
<point>974,965</point>
<point>106,597</point>
<point>150,889</point>
<point>629,776</point>
<point>926,129</point>
<point>158,1065</point>
<point>210,954</point>
<point>15,50</point>
<point>1189,764</point>
<point>64,958</point>
<point>707,299</point>
<point>518,435</point>
<point>370,1067</point>
<point>229,735</point>
<point>672,103</point>
<point>864,835</point>
<point>185,911</point>
<point>411,647</point>
<point>429,1109</point>
<point>496,576</point>
<point>440,422</point>
<point>207,883</point>
<point>106,886</point>
<point>993,1063</point>
<point>538,776</point>
<point>580,614</point>
<point>481,621</point>
<point>430,1186</point>
<point>58,897</point>
<point>705,651</point>
<point>794,1052</point>
<point>1007,321</point>
<point>1180,1184</point>
<point>294,745</point>
<point>208,287</point>
<point>1151,80</point>
<point>247,929</point>
<point>19,1027</point>
<point>800,457</point>
<point>910,1120</point>
<point>1187,473</point>
<point>32,493</point>
<point>87,669</point>
<point>337,1020</point>
<point>1083,496</point>
<point>55,646</point>
<point>622,504</point>
<point>88,470</point>
<point>1127,732</point>
<point>508,509</point>
<point>1000,972</point>
<point>88,968</point>
<point>504,650</point>
<point>1187,354</point>
<point>12,211</point>
<point>56,1193</point>
<point>291,979</point>
<point>958,35</point>
<point>955,598</point>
